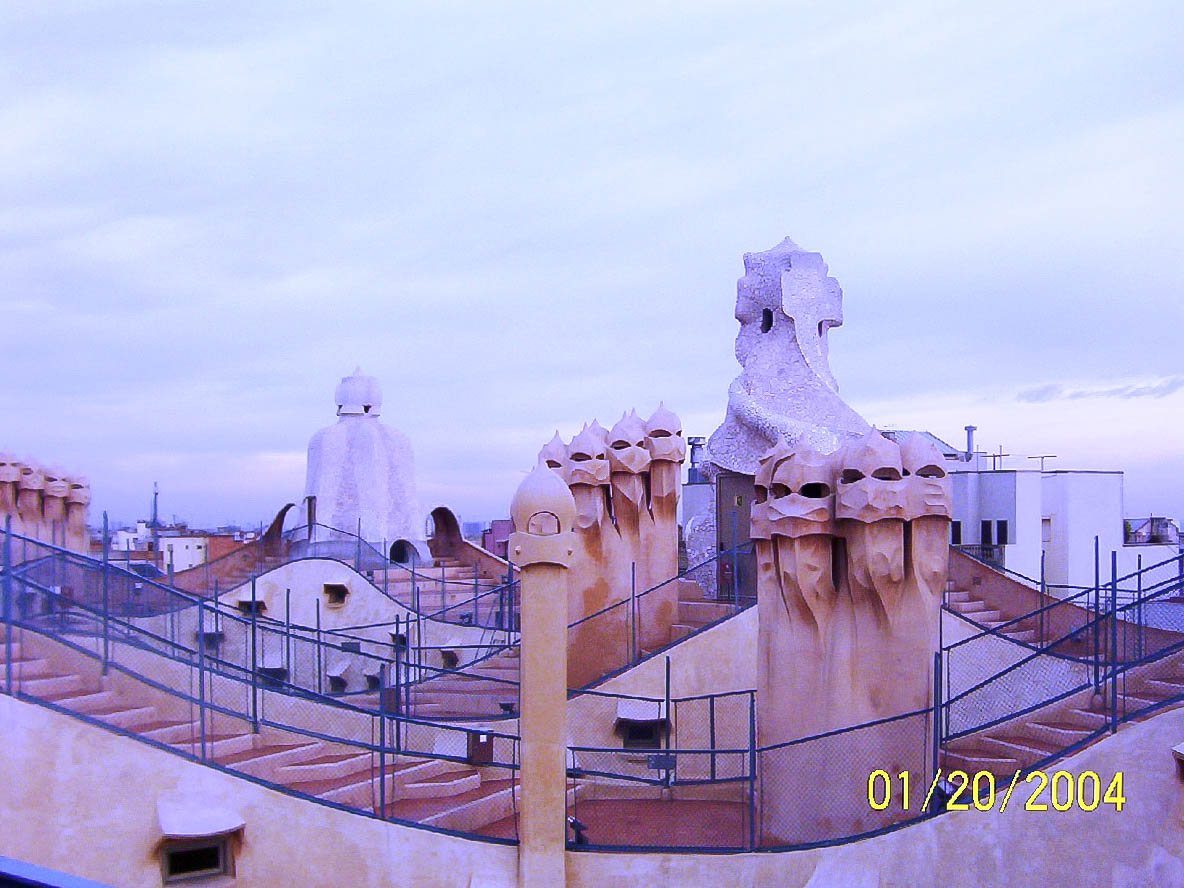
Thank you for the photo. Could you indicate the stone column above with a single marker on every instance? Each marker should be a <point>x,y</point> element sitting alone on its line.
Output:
<point>543,511</point>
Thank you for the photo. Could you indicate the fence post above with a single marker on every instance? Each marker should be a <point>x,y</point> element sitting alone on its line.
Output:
<point>320,689</point>
<point>476,592</point>
<point>8,604</point>
<point>386,564</point>
<point>1043,598</point>
<point>1097,604</point>
<point>288,632</point>
<point>1114,641</point>
<point>669,721</point>
<point>254,659</point>
<point>937,707</point>
<point>414,588</point>
<point>1139,610</point>
<point>711,731</point>
<point>201,677</point>
<point>106,594</point>
<point>752,769</point>
<point>382,682</point>
<point>735,565</point>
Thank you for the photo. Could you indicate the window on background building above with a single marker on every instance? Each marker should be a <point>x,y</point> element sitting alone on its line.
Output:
<point>1001,537</point>
<point>955,533</point>
<point>1046,530</point>
<point>985,535</point>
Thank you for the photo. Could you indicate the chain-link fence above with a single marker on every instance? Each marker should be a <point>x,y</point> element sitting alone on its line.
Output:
<point>641,623</point>
<point>180,674</point>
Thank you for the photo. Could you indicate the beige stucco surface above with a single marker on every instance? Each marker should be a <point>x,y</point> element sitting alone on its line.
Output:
<point>81,800</point>
<point>1141,846</point>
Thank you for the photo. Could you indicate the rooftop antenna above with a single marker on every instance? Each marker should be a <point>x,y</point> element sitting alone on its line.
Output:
<point>1042,457</point>
<point>997,458</point>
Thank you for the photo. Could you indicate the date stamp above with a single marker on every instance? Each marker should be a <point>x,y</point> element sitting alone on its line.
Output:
<point>981,791</point>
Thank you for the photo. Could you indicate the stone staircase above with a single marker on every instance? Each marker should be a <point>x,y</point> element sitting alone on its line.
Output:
<point>446,584</point>
<point>438,792</point>
<point>695,611</point>
<point>974,605</point>
<point>1046,732</point>
<point>478,692</point>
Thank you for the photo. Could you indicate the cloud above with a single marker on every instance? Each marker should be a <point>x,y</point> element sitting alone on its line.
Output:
<point>521,218</point>
<point>1057,392</point>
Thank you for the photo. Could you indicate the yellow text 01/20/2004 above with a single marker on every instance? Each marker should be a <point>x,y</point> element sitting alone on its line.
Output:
<point>982,791</point>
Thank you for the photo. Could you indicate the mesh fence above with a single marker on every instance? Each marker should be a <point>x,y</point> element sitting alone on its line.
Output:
<point>816,790</point>
<point>641,623</point>
<point>356,719</point>
<point>214,685</point>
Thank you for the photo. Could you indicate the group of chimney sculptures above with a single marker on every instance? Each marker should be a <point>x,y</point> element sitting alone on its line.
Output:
<point>850,531</point>
<point>44,504</point>
<point>625,482</point>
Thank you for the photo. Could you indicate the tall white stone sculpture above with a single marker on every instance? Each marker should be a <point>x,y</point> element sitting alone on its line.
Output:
<point>362,470</point>
<point>786,305</point>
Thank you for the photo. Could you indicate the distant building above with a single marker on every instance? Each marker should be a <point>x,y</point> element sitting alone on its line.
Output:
<point>177,546</point>
<point>1013,518</point>
<point>496,538</point>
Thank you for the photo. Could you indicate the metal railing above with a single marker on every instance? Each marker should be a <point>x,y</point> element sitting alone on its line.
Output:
<point>225,681</point>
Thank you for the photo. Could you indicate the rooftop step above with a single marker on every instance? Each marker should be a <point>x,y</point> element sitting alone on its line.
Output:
<point>50,685</point>
<point>217,744</point>
<point>448,783</point>
<point>123,715</point>
<point>702,612</point>
<point>974,758</point>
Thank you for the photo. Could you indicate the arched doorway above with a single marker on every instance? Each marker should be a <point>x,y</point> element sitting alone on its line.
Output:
<point>444,538</point>
<point>404,552</point>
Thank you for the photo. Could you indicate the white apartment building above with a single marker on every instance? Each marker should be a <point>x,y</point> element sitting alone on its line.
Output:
<point>1012,517</point>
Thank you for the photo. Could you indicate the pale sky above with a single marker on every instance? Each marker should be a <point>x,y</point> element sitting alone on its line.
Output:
<point>521,216</point>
